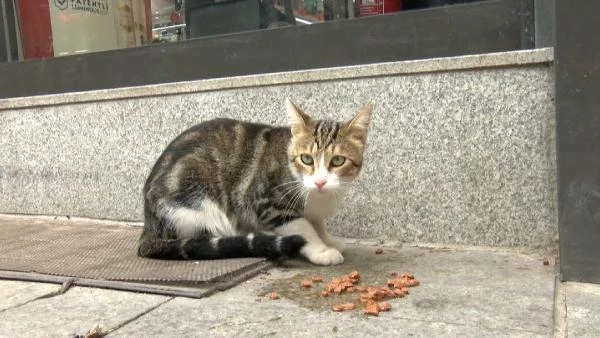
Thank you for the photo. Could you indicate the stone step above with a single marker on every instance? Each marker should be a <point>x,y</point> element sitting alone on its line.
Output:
<point>461,150</point>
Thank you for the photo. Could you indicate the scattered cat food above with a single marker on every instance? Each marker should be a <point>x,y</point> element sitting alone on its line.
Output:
<point>405,280</point>
<point>546,261</point>
<point>385,306</point>
<point>274,295</point>
<point>371,309</point>
<point>337,308</point>
<point>344,283</point>
<point>372,298</point>
<point>342,307</point>
<point>379,251</point>
<point>354,275</point>
<point>317,279</point>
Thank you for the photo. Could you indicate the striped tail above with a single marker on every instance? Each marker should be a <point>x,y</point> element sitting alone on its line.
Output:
<point>251,245</point>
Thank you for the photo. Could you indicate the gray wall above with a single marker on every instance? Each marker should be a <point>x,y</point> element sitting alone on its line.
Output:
<point>461,150</point>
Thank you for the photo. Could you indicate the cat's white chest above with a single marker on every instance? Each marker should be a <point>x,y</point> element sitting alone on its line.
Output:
<point>320,205</point>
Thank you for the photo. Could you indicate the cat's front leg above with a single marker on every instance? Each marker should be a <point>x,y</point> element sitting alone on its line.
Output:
<point>327,238</point>
<point>315,250</point>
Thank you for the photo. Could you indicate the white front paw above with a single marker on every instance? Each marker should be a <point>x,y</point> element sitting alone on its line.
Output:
<point>323,256</point>
<point>336,243</point>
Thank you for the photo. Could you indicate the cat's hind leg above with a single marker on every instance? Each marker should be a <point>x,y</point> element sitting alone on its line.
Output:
<point>315,250</point>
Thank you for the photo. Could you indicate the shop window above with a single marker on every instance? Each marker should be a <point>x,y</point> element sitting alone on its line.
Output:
<point>57,46</point>
<point>54,28</point>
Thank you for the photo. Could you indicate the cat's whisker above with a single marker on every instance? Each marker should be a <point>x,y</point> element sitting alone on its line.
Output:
<point>298,195</point>
<point>336,196</point>
<point>286,184</point>
<point>305,198</point>
<point>289,190</point>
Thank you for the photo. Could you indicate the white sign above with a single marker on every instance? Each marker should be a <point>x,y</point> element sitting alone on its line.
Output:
<point>82,26</point>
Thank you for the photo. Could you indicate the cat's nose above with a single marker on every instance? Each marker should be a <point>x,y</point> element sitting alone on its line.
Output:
<point>320,183</point>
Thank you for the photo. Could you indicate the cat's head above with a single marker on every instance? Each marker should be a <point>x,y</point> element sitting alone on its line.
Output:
<point>327,154</point>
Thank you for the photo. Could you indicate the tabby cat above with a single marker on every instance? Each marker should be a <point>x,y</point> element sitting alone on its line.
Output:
<point>226,188</point>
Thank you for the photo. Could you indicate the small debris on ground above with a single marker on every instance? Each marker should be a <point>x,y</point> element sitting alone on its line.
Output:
<point>379,251</point>
<point>546,261</point>
<point>95,332</point>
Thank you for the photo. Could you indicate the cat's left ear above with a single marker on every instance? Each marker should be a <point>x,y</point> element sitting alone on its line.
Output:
<point>299,121</point>
<point>359,124</point>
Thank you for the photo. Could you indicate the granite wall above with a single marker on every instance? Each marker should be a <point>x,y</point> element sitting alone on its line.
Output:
<point>461,150</point>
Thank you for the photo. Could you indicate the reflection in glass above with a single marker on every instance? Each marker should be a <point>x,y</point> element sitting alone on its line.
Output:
<point>52,28</point>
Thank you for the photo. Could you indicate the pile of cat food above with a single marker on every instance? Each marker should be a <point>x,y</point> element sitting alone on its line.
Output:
<point>372,298</point>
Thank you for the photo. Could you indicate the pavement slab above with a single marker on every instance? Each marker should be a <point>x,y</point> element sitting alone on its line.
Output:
<point>74,312</point>
<point>15,293</point>
<point>583,309</point>
<point>462,293</point>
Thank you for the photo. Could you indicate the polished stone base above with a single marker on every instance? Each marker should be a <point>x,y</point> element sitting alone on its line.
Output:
<point>461,150</point>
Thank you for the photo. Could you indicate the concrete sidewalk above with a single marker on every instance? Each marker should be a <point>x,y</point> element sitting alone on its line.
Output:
<point>464,292</point>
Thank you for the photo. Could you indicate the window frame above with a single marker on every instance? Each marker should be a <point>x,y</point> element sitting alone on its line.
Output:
<point>474,28</point>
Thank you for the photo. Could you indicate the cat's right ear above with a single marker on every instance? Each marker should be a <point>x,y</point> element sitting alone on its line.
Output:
<point>299,121</point>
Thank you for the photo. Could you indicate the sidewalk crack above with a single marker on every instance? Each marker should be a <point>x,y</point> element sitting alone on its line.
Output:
<point>66,285</point>
<point>120,325</point>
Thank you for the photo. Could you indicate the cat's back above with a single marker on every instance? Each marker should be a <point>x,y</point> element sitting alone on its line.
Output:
<point>225,143</point>
<point>227,134</point>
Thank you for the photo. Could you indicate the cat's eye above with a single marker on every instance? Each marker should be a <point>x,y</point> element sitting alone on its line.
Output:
<point>337,161</point>
<point>306,159</point>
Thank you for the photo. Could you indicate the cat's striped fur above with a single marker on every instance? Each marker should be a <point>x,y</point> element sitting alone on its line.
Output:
<point>227,188</point>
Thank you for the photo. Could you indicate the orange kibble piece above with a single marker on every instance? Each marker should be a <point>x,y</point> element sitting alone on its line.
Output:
<point>348,306</point>
<point>371,309</point>
<point>365,298</point>
<point>385,306</point>
<point>317,279</point>
<point>274,295</point>
<point>399,292</point>
<point>324,293</point>
<point>306,284</point>
<point>342,307</point>
<point>337,308</point>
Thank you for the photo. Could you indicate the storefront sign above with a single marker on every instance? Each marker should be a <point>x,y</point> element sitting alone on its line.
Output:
<point>83,26</point>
